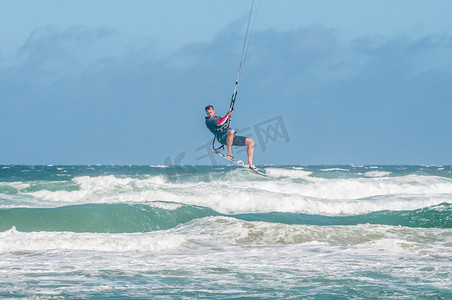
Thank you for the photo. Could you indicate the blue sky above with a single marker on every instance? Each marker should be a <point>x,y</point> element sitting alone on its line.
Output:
<point>126,82</point>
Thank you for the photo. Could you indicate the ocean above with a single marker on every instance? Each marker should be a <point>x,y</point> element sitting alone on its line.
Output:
<point>150,232</point>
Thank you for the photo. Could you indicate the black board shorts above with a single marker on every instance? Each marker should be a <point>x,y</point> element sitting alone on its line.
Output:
<point>238,140</point>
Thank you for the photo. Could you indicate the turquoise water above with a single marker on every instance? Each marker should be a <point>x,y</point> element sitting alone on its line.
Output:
<point>312,232</point>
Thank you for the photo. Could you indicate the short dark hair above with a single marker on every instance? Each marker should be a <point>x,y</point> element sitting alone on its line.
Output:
<point>209,107</point>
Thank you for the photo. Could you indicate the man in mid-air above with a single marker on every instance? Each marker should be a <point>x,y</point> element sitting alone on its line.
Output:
<point>220,127</point>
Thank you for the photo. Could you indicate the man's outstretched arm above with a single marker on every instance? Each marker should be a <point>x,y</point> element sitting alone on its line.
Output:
<point>224,119</point>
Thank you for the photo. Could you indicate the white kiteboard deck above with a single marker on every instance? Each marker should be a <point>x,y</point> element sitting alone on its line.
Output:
<point>240,163</point>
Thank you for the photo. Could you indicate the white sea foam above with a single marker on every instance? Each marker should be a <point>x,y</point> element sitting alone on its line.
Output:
<point>357,188</point>
<point>215,252</point>
<point>224,231</point>
<point>103,189</point>
<point>19,185</point>
<point>165,205</point>
<point>240,194</point>
<point>13,240</point>
<point>216,231</point>
<point>108,182</point>
<point>377,174</point>
<point>295,173</point>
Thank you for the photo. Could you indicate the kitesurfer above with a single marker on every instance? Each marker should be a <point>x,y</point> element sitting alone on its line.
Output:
<point>220,127</point>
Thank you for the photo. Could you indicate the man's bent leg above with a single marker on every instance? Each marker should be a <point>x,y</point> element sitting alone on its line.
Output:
<point>250,151</point>
<point>229,140</point>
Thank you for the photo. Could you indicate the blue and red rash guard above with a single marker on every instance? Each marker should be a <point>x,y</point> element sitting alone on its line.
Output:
<point>218,126</point>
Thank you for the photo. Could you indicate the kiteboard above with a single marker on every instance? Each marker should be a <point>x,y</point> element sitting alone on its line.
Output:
<point>240,163</point>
